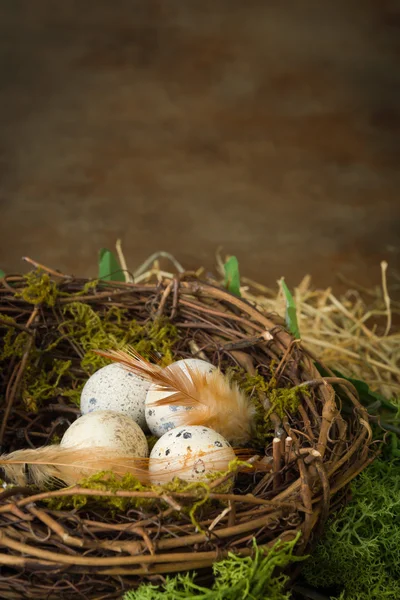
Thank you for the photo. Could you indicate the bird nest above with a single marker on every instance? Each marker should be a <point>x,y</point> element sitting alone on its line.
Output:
<point>100,538</point>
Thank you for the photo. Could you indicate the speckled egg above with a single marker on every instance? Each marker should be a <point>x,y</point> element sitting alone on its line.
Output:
<point>190,453</point>
<point>115,388</point>
<point>160,419</point>
<point>108,429</point>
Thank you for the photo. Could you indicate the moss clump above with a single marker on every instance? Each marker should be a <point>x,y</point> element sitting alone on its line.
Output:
<point>281,400</point>
<point>14,343</point>
<point>359,556</point>
<point>104,482</point>
<point>251,385</point>
<point>233,466</point>
<point>42,385</point>
<point>39,289</point>
<point>253,577</point>
<point>151,441</point>
<point>114,329</point>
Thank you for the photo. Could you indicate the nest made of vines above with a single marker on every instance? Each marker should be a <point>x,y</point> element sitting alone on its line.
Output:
<point>90,549</point>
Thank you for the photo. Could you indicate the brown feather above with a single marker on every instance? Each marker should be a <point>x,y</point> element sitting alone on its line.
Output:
<point>215,401</point>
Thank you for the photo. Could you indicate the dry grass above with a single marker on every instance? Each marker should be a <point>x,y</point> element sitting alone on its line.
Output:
<point>352,333</point>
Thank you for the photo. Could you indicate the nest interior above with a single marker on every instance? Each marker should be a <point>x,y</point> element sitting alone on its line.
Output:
<point>96,541</point>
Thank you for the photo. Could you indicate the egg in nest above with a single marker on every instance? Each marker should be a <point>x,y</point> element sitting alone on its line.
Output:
<point>191,453</point>
<point>115,388</point>
<point>107,429</point>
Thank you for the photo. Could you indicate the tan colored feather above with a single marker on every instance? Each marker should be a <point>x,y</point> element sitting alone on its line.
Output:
<point>215,401</point>
<point>51,464</point>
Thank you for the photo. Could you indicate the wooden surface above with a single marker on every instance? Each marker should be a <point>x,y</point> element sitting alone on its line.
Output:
<point>269,128</point>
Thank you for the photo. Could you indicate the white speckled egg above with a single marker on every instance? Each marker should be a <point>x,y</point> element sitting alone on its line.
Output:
<point>160,419</point>
<point>190,453</point>
<point>115,388</point>
<point>108,429</point>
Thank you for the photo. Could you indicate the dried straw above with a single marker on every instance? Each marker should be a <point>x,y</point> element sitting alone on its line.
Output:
<point>345,332</point>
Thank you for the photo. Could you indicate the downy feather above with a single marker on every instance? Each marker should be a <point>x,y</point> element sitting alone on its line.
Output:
<point>215,401</point>
<point>51,464</point>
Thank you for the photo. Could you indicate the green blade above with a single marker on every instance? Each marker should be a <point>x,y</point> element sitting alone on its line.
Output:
<point>109,267</point>
<point>375,402</point>
<point>291,313</point>
<point>232,276</point>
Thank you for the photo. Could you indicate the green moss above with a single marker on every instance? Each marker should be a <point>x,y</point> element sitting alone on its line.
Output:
<point>252,577</point>
<point>43,384</point>
<point>284,400</point>
<point>232,467</point>
<point>249,384</point>
<point>103,481</point>
<point>359,555</point>
<point>114,329</point>
<point>39,289</point>
<point>151,441</point>
<point>281,400</point>
<point>89,287</point>
<point>13,343</point>
<point>73,393</point>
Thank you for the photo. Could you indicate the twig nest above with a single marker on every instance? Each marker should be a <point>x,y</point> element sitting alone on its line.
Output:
<point>115,388</point>
<point>191,453</point>
<point>107,429</point>
<point>161,419</point>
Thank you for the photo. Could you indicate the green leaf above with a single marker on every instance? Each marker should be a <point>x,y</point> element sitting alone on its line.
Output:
<point>2,274</point>
<point>366,395</point>
<point>109,267</point>
<point>365,392</point>
<point>291,313</point>
<point>377,405</point>
<point>232,277</point>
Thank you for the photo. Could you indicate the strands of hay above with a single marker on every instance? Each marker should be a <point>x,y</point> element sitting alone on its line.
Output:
<point>345,332</point>
<point>352,333</point>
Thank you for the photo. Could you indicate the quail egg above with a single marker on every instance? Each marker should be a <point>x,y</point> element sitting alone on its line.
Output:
<point>190,453</point>
<point>115,388</point>
<point>107,429</point>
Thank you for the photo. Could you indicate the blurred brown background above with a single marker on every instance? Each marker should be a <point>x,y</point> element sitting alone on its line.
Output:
<point>270,128</point>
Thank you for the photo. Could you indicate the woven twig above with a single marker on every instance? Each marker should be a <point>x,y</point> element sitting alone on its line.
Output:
<point>90,553</point>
